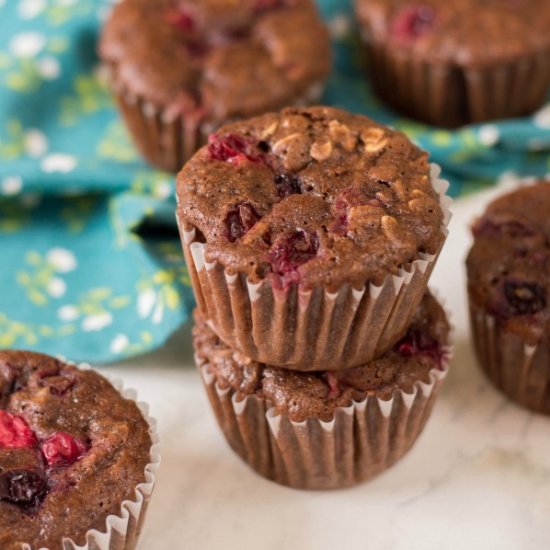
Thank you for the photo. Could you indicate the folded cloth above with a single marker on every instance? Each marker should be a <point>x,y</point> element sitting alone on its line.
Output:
<point>90,263</point>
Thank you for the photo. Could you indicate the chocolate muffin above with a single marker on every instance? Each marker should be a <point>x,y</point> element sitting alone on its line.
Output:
<point>330,429</point>
<point>509,290</point>
<point>452,63</point>
<point>182,68</point>
<point>310,235</point>
<point>73,451</point>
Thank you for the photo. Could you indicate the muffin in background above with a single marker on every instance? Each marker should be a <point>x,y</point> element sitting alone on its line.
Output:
<point>310,235</point>
<point>182,68</point>
<point>77,457</point>
<point>508,286</point>
<point>327,430</point>
<point>450,63</point>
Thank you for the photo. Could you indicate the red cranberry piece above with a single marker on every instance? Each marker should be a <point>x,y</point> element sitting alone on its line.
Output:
<point>417,343</point>
<point>294,250</point>
<point>261,6</point>
<point>232,148</point>
<point>413,22</point>
<point>525,298</point>
<point>333,385</point>
<point>62,449</point>
<point>197,48</point>
<point>340,225</point>
<point>489,228</point>
<point>287,184</point>
<point>181,18</point>
<point>229,35</point>
<point>240,220</point>
<point>25,488</point>
<point>15,432</point>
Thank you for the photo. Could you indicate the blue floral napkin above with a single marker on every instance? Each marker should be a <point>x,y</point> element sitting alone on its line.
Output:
<point>90,263</point>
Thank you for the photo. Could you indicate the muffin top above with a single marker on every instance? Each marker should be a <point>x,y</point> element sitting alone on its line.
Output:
<point>216,59</point>
<point>462,32</point>
<point>71,450</point>
<point>509,263</point>
<point>313,196</point>
<point>303,395</point>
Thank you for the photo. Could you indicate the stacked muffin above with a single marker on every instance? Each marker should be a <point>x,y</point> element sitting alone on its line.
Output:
<point>310,236</point>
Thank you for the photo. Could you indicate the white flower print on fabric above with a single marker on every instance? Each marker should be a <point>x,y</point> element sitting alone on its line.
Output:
<point>119,344</point>
<point>58,162</point>
<point>489,135</point>
<point>12,185</point>
<point>68,313</point>
<point>339,26</point>
<point>146,301</point>
<point>62,260</point>
<point>97,322</point>
<point>29,9</point>
<point>542,117</point>
<point>27,44</point>
<point>49,67</point>
<point>36,143</point>
<point>57,287</point>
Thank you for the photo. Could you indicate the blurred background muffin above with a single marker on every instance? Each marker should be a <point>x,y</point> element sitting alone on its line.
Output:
<point>181,68</point>
<point>452,63</point>
<point>508,287</point>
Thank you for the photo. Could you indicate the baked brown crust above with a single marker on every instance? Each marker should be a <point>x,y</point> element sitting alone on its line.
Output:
<point>318,395</point>
<point>216,59</point>
<point>509,263</point>
<point>317,196</point>
<point>112,449</point>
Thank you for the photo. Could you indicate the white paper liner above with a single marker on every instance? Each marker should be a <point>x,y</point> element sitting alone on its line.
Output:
<point>122,531</point>
<point>519,370</point>
<point>303,330</point>
<point>169,139</point>
<point>360,442</point>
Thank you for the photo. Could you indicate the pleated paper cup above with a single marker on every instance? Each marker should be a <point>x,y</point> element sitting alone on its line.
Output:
<point>360,442</point>
<point>167,139</point>
<point>518,369</point>
<point>306,330</point>
<point>122,530</point>
<point>448,95</point>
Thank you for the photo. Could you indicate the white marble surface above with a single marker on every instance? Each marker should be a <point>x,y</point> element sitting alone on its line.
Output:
<point>478,478</point>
